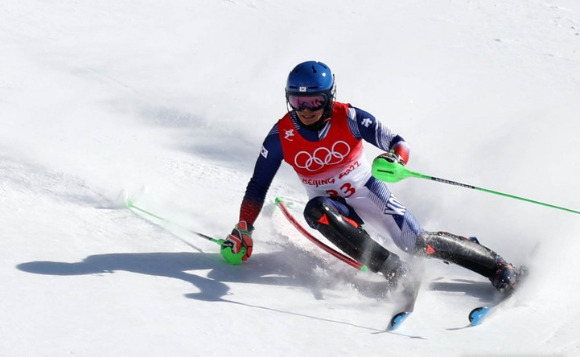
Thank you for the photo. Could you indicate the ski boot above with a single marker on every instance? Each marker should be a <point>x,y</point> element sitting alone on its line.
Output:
<point>506,277</point>
<point>396,272</point>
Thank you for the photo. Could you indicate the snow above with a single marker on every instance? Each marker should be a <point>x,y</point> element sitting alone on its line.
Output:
<point>166,103</point>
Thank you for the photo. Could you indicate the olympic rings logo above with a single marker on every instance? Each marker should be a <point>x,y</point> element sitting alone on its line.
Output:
<point>322,157</point>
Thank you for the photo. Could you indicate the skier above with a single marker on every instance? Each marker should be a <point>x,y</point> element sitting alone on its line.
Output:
<point>322,140</point>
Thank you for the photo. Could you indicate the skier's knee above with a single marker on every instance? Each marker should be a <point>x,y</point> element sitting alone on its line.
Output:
<point>437,244</point>
<point>429,243</point>
<point>316,208</point>
<point>421,243</point>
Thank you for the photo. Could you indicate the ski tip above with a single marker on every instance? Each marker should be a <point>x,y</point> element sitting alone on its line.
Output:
<point>477,315</point>
<point>397,320</point>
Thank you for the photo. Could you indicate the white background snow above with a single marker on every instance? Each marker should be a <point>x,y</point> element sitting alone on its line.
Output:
<point>168,102</point>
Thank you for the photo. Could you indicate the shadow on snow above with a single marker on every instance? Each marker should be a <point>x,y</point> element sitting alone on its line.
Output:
<point>265,269</point>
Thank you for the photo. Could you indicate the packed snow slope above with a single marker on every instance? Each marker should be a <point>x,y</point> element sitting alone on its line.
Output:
<point>166,103</point>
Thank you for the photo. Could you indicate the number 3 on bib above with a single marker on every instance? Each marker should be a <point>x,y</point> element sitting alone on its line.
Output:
<point>346,189</point>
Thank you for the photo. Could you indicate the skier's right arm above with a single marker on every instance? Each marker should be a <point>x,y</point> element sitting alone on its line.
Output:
<point>266,167</point>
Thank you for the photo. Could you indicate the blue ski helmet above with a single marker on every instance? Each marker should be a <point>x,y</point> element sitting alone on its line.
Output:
<point>309,79</point>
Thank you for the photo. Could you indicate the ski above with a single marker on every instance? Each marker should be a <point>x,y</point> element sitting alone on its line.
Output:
<point>409,295</point>
<point>478,315</point>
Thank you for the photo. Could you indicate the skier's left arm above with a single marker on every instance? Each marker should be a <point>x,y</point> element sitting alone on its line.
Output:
<point>365,126</point>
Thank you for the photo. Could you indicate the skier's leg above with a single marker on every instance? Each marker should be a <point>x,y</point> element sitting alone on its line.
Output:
<point>469,254</point>
<point>459,250</point>
<point>341,225</point>
<point>378,207</point>
<point>410,237</point>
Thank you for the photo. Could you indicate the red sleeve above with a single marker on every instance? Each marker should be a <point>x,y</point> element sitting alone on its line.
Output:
<point>250,210</point>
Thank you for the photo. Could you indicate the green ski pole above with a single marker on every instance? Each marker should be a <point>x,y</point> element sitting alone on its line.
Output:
<point>229,256</point>
<point>393,172</point>
<point>131,205</point>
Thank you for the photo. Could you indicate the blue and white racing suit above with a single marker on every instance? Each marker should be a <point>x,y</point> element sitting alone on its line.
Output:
<point>354,192</point>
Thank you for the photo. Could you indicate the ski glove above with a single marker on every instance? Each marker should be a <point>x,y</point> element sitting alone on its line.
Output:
<point>237,247</point>
<point>399,153</point>
<point>391,156</point>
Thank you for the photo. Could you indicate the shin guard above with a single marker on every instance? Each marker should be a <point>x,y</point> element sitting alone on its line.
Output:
<point>459,250</point>
<point>347,235</point>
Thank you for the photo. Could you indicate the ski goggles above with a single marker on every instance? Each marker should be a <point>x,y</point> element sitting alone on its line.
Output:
<point>311,102</point>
